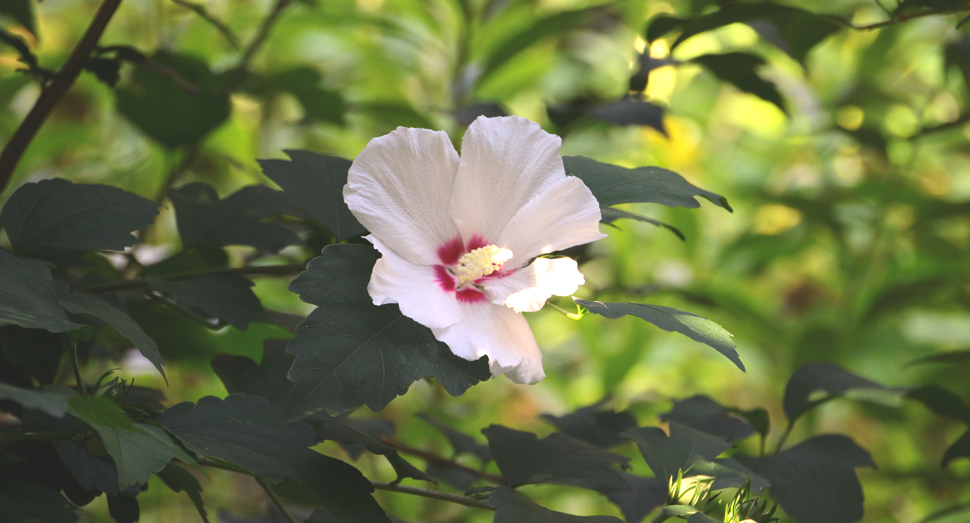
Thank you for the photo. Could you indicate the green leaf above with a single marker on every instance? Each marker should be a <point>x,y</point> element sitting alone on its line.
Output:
<point>955,357</point>
<point>941,401</point>
<point>671,320</point>
<point>22,11</point>
<point>139,450</point>
<point>524,459</point>
<point>179,479</point>
<point>740,70</point>
<point>22,502</point>
<point>89,471</point>
<point>224,296</point>
<point>645,495</point>
<point>240,374</point>
<point>612,214</point>
<point>512,507</point>
<point>27,300</point>
<point>816,480</point>
<point>706,415</point>
<point>612,184</point>
<point>319,104</point>
<point>909,6</point>
<point>337,429</point>
<point>462,443</point>
<point>205,220</point>
<point>317,183</point>
<point>350,351</point>
<point>594,425</point>
<point>174,99</point>
<point>815,383</point>
<point>58,213</point>
<point>52,400</point>
<point>685,448</point>
<point>243,431</point>
<point>87,304</point>
<point>629,111</point>
<point>959,449</point>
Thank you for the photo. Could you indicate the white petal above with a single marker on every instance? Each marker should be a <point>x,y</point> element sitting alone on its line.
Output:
<point>500,333</point>
<point>415,288</point>
<point>564,215</point>
<point>505,162</point>
<point>400,186</point>
<point>528,288</point>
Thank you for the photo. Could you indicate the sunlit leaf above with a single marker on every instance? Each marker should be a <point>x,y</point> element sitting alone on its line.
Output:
<point>671,320</point>
<point>58,213</point>
<point>524,459</point>
<point>27,300</point>
<point>350,352</point>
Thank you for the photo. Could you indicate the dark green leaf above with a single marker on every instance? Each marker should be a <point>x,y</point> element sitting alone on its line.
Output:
<point>740,70</point>
<point>222,296</point>
<point>350,351</point>
<point>174,98</point>
<point>512,507</point>
<point>629,111</point>
<point>91,472</point>
<point>524,459</point>
<point>337,429</point>
<point>123,509</point>
<point>179,479</point>
<point>205,220</point>
<point>240,374</point>
<point>611,214</point>
<point>139,450</point>
<point>671,320</point>
<point>684,449</point>
<point>645,495</point>
<point>189,260</point>
<point>461,442</point>
<point>51,400</point>
<point>797,33</point>
<point>594,425</point>
<point>909,6</point>
<point>58,213</point>
<point>612,184</point>
<point>22,11</point>
<point>941,401</point>
<point>22,502</point>
<point>706,415</point>
<point>243,431</point>
<point>27,300</point>
<point>317,183</point>
<point>959,449</point>
<point>108,70</point>
<point>662,25</point>
<point>87,304</point>
<point>816,480</point>
<point>955,357</point>
<point>319,104</point>
<point>815,383</point>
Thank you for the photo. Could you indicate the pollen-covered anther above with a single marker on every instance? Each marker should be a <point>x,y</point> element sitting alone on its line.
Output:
<point>481,262</point>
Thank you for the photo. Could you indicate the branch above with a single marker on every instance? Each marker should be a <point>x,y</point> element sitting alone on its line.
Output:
<point>263,482</point>
<point>252,270</point>
<point>438,460</point>
<point>221,27</point>
<point>48,99</point>
<point>433,494</point>
<point>238,73</point>
<point>903,17</point>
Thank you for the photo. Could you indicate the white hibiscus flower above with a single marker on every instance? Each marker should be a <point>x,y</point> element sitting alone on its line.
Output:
<point>456,235</point>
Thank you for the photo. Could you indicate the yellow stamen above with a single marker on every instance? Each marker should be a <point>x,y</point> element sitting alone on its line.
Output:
<point>481,262</point>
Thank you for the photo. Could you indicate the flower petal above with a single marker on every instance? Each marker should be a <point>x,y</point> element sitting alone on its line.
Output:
<point>417,289</point>
<point>564,215</point>
<point>528,288</point>
<point>500,333</point>
<point>505,162</point>
<point>400,186</point>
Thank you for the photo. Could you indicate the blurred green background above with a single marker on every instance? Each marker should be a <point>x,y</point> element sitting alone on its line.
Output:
<point>849,241</point>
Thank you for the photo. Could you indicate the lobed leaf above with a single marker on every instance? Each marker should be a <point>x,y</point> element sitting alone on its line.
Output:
<point>594,425</point>
<point>317,183</point>
<point>671,320</point>
<point>224,296</point>
<point>27,300</point>
<point>178,479</point>
<point>685,448</point>
<point>240,374</point>
<point>524,459</point>
<point>61,214</point>
<point>612,184</point>
<point>706,415</point>
<point>350,352</point>
<point>645,495</point>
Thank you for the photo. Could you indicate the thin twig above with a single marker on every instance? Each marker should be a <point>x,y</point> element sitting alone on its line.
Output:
<point>253,270</point>
<point>215,22</point>
<point>49,97</point>
<point>433,494</point>
<point>438,460</point>
<point>263,482</point>
<point>238,73</point>
<point>77,370</point>
<point>894,19</point>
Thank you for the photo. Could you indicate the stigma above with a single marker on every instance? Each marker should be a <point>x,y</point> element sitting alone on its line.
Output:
<point>480,262</point>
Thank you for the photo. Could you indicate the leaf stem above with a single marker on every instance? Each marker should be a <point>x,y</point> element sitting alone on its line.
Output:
<point>252,270</point>
<point>263,482</point>
<point>77,370</point>
<point>238,73</point>
<point>570,315</point>
<point>438,460</point>
<point>63,81</point>
<point>784,436</point>
<point>433,494</point>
